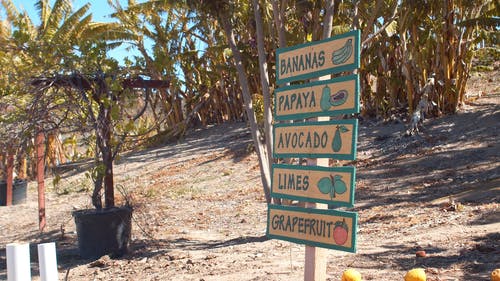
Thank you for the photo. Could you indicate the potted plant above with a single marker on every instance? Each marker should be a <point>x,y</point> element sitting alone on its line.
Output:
<point>93,107</point>
<point>107,228</point>
<point>105,107</point>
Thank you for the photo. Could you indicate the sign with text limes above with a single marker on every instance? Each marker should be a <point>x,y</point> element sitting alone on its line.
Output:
<point>330,229</point>
<point>319,98</point>
<point>328,185</point>
<point>333,55</point>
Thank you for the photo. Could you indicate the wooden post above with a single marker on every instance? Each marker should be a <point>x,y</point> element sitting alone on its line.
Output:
<point>40,177</point>
<point>315,257</point>
<point>10,177</point>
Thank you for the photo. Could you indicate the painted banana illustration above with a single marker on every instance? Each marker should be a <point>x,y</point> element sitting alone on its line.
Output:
<point>343,54</point>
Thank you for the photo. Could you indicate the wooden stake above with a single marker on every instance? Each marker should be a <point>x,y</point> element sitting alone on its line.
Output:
<point>315,258</point>
<point>40,177</point>
<point>10,177</point>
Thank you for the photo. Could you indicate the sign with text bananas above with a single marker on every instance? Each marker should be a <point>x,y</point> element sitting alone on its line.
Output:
<point>333,55</point>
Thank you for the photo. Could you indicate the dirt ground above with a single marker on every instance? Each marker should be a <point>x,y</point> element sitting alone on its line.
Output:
<point>200,213</point>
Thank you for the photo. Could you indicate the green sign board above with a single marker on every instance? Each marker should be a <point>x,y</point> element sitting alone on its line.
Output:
<point>318,98</point>
<point>328,185</point>
<point>331,229</point>
<point>333,55</point>
<point>330,139</point>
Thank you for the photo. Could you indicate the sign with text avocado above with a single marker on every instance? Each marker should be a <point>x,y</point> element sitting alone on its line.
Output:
<point>319,98</point>
<point>330,139</point>
<point>331,229</point>
<point>333,55</point>
<point>328,185</point>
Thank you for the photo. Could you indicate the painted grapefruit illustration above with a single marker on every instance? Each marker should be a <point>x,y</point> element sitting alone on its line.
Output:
<point>340,232</point>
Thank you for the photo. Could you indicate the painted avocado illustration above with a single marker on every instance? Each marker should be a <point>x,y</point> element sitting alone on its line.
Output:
<point>337,138</point>
<point>341,55</point>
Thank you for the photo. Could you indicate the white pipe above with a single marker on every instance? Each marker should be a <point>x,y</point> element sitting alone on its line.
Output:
<point>18,262</point>
<point>47,261</point>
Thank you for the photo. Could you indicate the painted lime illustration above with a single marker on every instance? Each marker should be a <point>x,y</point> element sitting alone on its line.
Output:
<point>332,185</point>
<point>337,138</point>
<point>340,232</point>
<point>339,98</point>
<point>325,98</point>
<point>339,185</point>
<point>325,186</point>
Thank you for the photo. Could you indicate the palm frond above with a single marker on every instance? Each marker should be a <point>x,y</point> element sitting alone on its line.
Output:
<point>339,29</point>
<point>482,21</point>
<point>80,27</point>
<point>108,31</point>
<point>10,10</point>
<point>70,25</point>
<point>43,9</point>
<point>5,30</point>
<point>60,9</point>
<point>113,45</point>
<point>154,6</point>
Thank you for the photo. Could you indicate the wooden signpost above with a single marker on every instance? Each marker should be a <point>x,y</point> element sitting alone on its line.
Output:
<point>315,226</point>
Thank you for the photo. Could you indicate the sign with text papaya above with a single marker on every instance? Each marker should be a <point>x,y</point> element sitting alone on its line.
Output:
<point>318,98</point>
<point>328,185</point>
<point>331,139</point>
<point>333,55</point>
<point>331,229</point>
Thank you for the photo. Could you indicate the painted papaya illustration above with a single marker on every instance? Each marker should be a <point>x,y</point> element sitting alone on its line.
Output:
<point>325,98</point>
<point>338,98</point>
<point>341,55</point>
<point>337,138</point>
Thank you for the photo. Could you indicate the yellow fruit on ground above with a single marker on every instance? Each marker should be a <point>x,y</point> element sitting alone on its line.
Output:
<point>416,274</point>
<point>351,275</point>
<point>495,275</point>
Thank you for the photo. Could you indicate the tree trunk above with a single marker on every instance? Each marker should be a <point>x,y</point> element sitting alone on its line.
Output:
<point>264,80</point>
<point>278,21</point>
<point>107,157</point>
<point>247,98</point>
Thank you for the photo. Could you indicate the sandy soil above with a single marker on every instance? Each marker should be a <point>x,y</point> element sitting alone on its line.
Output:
<point>200,212</point>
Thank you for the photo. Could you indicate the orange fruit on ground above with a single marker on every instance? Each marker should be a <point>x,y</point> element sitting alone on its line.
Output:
<point>495,275</point>
<point>416,274</point>
<point>351,275</point>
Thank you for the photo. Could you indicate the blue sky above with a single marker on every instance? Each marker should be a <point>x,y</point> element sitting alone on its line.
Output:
<point>99,8</point>
<point>100,11</point>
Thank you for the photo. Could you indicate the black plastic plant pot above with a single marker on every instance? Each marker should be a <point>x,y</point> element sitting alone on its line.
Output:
<point>103,232</point>
<point>19,192</point>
